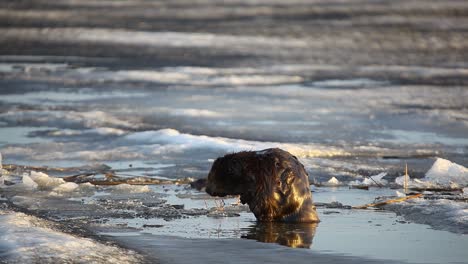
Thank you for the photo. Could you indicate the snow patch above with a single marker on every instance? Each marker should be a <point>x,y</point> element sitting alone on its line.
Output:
<point>28,239</point>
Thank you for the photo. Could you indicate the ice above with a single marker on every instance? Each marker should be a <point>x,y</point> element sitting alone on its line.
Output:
<point>66,187</point>
<point>28,239</point>
<point>127,188</point>
<point>416,183</point>
<point>352,83</point>
<point>333,182</point>
<point>190,112</point>
<point>155,39</point>
<point>171,140</point>
<point>44,181</point>
<point>446,172</point>
<point>439,213</point>
<point>376,180</point>
<point>400,180</point>
<point>28,183</point>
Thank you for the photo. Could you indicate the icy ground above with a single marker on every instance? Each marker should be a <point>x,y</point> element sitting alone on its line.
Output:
<point>152,220</point>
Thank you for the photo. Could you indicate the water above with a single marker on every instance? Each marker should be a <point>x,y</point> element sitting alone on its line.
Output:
<point>161,89</point>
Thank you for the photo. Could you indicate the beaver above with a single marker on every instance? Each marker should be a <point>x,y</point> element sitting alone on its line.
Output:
<point>272,182</point>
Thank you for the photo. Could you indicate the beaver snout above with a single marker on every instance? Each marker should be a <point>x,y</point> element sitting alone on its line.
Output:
<point>213,192</point>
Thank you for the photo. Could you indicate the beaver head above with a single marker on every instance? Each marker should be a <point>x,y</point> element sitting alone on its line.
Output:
<point>272,182</point>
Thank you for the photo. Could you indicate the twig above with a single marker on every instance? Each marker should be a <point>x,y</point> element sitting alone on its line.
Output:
<point>378,184</point>
<point>388,201</point>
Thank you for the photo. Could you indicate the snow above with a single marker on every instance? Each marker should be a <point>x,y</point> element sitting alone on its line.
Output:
<point>445,172</point>
<point>171,140</point>
<point>28,239</point>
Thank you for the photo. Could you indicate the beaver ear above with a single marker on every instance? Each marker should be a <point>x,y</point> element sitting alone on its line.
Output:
<point>277,163</point>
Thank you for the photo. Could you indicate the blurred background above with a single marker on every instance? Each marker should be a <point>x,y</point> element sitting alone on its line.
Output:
<point>353,88</point>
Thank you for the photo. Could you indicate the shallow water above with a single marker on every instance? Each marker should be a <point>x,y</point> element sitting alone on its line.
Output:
<point>377,235</point>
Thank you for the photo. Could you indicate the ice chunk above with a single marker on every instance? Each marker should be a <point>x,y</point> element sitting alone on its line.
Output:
<point>66,187</point>
<point>401,180</point>
<point>44,181</point>
<point>333,182</point>
<point>127,188</point>
<point>446,172</point>
<point>376,179</point>
<point>28,183</point>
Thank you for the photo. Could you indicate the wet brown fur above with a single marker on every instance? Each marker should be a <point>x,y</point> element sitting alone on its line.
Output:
<point>272,182</point>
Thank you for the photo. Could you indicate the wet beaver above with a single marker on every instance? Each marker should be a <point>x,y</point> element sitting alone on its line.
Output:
<point>272,182</point>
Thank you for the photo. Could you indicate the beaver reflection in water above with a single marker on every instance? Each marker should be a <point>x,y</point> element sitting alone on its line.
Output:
<point>272,182</point>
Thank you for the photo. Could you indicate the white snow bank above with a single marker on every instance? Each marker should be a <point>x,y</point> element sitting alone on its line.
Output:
<point>445,172</point>
<point>171,140</point>
<point>28,239</point>
<point>439,213</point>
